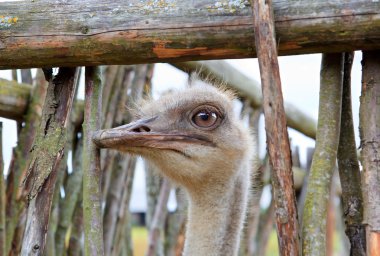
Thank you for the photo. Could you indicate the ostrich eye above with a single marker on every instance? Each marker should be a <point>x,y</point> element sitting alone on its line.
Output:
<point>205,118</point>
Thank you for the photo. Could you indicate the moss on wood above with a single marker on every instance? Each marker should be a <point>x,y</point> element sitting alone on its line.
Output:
<point>324,159</point>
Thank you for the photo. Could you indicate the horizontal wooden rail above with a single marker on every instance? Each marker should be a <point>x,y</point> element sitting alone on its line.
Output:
<point>44,33</point>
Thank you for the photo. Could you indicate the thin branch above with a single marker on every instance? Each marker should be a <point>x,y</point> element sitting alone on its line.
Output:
<point>324,160</point>
<point>349,173</point>
<point>276,129</point>
<point>158,220</point>
<point>92,196</point>
<point>67,204</point>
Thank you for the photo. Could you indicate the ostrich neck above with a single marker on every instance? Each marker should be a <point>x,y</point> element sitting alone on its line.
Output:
<point>216,218</point>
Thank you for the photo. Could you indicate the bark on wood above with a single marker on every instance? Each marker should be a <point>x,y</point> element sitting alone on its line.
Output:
<point>46,155</point>
<point>349,173</point>
<point>114,200</point>
<point>276,130</point>
<point>115,116</point>
<point>158,221</point>
<point>324,160</point>
<point>115,177</point>
<point>153,184</point>
<point>331,217</point>
<point>370,145</point>
<point>67,204</point>
<point>14,99</point>
<point>56,212</point>
<point>110,75</point>
<point>122,235</point>
<point>77,33</point>
<point>2,197</point>
<point>220,72</point>
<point>92,197</point>
<point>75,245</point>
<point>16,210</point>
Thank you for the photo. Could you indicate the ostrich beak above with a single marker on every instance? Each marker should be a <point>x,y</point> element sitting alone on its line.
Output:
<point>143,134</point>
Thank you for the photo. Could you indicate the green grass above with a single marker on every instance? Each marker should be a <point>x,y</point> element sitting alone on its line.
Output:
<point>272,246</point>
<point>140,240</point>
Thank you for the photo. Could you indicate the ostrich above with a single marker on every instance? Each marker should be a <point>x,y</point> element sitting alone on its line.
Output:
<point>194,138</point>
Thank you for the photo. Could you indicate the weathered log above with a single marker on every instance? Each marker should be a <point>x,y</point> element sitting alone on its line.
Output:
<point>94,32</point>
<point>247,88</point>
<point>47,153</point>
<point>278,144</point>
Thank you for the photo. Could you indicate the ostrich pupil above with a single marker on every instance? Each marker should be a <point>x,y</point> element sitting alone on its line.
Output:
<point>204,116</point>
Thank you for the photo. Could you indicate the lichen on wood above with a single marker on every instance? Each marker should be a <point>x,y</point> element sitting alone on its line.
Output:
<point>31,116</point>
<point>84,33</point>
<point>92,215</point>
<point>324,160</point>
<point>47,152</point>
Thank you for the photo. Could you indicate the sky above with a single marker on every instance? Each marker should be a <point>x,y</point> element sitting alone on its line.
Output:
<point>300,85</point>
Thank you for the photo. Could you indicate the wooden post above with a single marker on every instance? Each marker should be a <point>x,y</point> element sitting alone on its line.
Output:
<point>324,159</point>
<point>92,196</point>
<point>47,152</point>
<point>276,129</point>
<point>370,145</point>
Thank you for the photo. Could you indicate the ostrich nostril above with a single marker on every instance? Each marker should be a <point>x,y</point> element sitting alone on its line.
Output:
<point>141,128</point>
